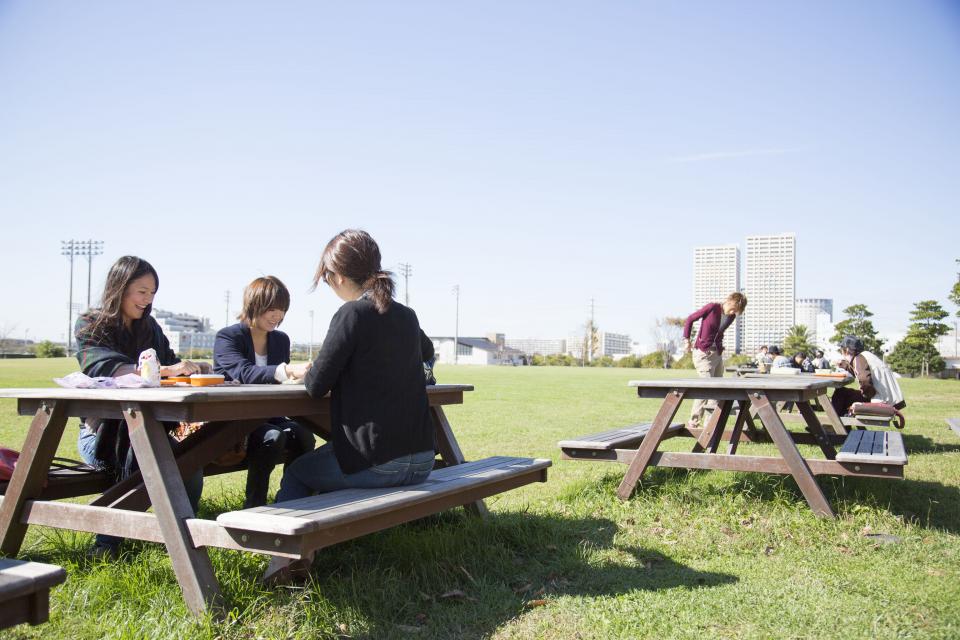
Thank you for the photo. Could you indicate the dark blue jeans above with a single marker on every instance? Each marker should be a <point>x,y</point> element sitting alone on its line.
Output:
<point>319,472</point>
<point>86,445</point>
<point>268,446</point>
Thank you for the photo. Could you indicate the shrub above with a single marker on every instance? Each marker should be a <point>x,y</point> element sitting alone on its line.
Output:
<point>47,349</point>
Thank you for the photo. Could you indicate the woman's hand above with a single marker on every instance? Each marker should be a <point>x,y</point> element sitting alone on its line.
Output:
<point>297,371</point>
<point>182,368</point>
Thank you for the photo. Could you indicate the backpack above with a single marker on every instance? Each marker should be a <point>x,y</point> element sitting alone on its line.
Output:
<point>888,389</point>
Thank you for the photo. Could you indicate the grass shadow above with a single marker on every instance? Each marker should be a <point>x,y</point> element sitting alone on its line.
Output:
<point>452,575</point>
<point>915,443</point>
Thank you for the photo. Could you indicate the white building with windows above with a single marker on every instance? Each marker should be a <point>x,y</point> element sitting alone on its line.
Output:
<point>770,284</point>
<point>614,344</point>
<point>482,351</point>
<point>716,274</point>
<point>808,312</point>
<point>186,333</point>
<point>538,346</point>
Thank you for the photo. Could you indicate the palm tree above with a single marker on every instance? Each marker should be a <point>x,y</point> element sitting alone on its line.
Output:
<point>798,338</point>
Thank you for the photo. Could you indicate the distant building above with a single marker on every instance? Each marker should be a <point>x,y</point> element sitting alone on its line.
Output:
<point>807,312</point>
<point>482,351</point>
<point>608,344</point>
<point>716,274</point>
<point>185,332</point>
<point>770,283</point>
<point>614,344</point>
<point>538,346</point>
<point>949,348</point>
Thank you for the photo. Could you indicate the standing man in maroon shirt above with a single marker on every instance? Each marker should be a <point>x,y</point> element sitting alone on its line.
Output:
<point>707,352</point>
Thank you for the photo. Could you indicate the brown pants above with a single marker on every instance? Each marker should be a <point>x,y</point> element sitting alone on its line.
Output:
<point>708,364</point>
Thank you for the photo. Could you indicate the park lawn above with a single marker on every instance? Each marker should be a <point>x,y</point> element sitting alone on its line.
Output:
<point>692,554</point>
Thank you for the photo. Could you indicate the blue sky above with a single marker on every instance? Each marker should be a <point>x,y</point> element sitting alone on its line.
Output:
<point>538,154</point>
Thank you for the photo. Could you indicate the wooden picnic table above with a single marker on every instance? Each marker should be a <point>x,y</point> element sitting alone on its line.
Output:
<point>233,411</point>
<point>878,454</point>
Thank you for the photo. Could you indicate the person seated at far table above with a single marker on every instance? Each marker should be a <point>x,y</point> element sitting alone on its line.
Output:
<point>708,351</point>
<point>779,360</point>
<point>763,356</point>
<point>820,362</point>
<point>255,351</point>
<point>800,361</point>
<point>110,340</point>
<point>877,382</point>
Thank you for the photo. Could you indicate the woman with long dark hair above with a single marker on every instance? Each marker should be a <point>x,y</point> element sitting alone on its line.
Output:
<point>110,340</point>
<point>371,363</point>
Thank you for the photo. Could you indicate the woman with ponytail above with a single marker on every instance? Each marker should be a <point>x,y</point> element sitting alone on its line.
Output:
<point>371,363</point>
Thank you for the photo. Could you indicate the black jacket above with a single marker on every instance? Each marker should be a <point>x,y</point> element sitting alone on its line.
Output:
<point>235,357</point>
<point>372,365</point>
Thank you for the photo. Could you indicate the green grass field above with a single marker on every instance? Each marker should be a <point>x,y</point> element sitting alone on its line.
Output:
<point>692,554</point>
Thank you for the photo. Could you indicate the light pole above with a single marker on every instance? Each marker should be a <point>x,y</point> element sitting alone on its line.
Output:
<point>406,270</point>
<point>69,248</point>
<point>89,248</point>
<point>226,315</point>
<point>456,330</point>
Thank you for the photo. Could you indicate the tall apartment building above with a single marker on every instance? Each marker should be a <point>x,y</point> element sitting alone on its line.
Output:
<point>808,311</point>
<point>770,284</point>
<point>716,274</point>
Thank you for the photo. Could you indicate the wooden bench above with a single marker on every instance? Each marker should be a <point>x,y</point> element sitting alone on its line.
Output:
<point>954,423</point>
<point>322,520</point>
<point>628,437</point>
<point>873,447</point>
<point>866,422</point>
<point>25,591</point>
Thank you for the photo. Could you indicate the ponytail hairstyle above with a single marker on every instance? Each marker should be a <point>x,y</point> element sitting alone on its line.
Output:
<point>354,254</point>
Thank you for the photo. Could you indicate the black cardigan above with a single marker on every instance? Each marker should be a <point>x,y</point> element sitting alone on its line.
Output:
<point>372,365</point>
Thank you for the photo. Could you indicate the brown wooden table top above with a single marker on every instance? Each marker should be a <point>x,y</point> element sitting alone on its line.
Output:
<point>225,393</point>
<point>761,383</point>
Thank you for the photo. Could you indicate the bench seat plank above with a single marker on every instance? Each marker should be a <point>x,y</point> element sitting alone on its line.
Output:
<point>623,438</point>
<point>883,447</point>
<point>867,421</point>
<point>307,515</point>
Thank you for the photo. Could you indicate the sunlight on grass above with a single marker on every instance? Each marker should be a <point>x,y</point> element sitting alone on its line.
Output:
<point>692,554</point>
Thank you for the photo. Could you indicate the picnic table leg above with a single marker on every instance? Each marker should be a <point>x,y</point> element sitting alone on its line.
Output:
<point>30,473</point>
<point>169,499</point>
<point>650,442</point>
<point>832,418</point>
<point>814,427</point>
<point>743,414</point>
<point>450,452</point>
<point>710,437</point>
<point>788,449</point>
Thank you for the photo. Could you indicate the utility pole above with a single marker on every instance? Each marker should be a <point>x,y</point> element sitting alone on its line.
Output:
<point>406,271</point>
<point>226,299</point>
<point>69,248</point>
<point>311,335</point>
<point>456,330</point>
